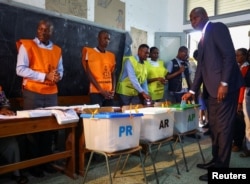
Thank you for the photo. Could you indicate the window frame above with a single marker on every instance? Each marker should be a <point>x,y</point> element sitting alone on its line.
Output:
<point>216,16</point>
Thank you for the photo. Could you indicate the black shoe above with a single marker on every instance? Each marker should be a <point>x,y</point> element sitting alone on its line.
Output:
<point>204,177</point>
<point>245,154</point>
<point>207,132</point>
<point>36,172</point>
<point>207,165</point>
<point>205,126</point>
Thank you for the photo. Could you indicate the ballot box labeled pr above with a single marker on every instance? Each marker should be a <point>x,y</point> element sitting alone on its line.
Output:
<point>157,123</point>
<point>111,131</point>
<point>186,118</point>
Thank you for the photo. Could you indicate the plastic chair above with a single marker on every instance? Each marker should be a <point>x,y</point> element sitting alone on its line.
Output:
<point>114,154</point>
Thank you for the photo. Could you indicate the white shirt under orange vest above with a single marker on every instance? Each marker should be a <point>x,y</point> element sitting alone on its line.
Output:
<point>35,60</point>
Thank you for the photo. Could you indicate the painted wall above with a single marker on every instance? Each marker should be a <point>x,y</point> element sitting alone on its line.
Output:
<point>36,3</point>
<point>146,15</point>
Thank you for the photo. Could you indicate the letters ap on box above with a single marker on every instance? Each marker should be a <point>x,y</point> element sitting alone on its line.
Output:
<point>185,118</point>
<point>111,132</point>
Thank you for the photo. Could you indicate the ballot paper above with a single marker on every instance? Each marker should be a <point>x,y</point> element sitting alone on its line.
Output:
<point>62,115</point>
<point>33,113</point>
<point>65,116</point>
<point>81,107</point>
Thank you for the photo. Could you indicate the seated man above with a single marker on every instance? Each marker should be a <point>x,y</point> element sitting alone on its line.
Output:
<point>9,150</point>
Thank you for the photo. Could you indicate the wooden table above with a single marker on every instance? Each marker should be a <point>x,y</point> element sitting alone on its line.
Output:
<point>15,127</point>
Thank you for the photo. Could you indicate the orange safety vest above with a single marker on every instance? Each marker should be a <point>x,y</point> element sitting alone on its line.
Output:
<point>101,66</point>
<point>41,60</point>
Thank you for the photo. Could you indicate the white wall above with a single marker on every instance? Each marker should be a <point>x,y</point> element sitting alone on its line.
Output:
<point>36,3</point>
<point>174,16</point>
<point>147,15</point>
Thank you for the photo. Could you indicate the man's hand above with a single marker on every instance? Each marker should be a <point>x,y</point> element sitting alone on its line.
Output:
<point>222,93</point>
<point>5,111</point>
<point>182,68</point>
<point>53,76</point>
<point>188,96</point>
<point>146,96</point>
<point>162,80</point>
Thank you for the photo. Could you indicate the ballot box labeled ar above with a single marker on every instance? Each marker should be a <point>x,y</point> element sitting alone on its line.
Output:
<point>111,131</point>
<point>157,123</point>
<point>186,118</point>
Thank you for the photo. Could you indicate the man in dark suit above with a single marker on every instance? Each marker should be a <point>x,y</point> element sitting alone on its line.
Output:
<point>221,77</point>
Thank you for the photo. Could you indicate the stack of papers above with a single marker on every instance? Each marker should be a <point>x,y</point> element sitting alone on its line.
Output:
<point>79,107</point>
<point>65,116</point>
<point>33,113</point>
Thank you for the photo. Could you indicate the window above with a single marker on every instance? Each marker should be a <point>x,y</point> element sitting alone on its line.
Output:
<point>207,4</point>
<point>227,6</point>
<point>217,7</point>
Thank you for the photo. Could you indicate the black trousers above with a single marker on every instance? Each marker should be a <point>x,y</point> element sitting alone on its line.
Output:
<point>39,144</point>
<point>239,129</point>
<point>221,121</point>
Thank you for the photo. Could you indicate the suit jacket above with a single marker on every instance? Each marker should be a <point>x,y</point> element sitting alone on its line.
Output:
<point>217,61</point>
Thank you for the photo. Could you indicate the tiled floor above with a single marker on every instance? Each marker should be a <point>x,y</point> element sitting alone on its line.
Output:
<point>133,174</point>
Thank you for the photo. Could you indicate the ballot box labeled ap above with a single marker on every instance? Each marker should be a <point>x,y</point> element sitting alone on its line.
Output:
<point>111,131</point>
<point>185,118</point>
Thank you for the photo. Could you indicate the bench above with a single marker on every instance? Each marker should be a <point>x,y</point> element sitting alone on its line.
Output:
<point>74,142</point>
<point>15,127</point>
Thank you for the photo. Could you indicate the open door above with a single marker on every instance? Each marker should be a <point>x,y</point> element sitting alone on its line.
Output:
<point>169,43</point>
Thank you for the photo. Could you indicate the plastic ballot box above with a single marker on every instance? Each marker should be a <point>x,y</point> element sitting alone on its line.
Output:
<point>110,131</point>
<point>186,118</point>
<point>157,123</point>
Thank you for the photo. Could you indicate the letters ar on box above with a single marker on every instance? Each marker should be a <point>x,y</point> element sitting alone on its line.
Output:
<point>157,123</point>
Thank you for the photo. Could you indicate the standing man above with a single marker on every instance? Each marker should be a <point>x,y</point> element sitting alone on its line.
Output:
<point>221,78</point>
<point>39,62</point>
<point>239,123</point>
<point>99,65</point>
<point>133,78</point>
<point>179,75</point>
